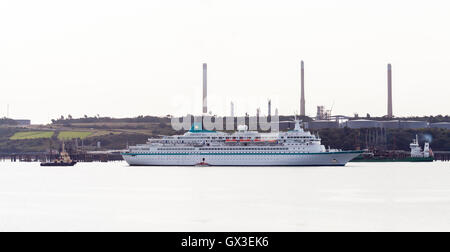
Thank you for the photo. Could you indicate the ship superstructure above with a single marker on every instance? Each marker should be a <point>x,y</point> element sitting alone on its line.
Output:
<point>242,148</point>
<point>416,150</point>
<point>63,159</point>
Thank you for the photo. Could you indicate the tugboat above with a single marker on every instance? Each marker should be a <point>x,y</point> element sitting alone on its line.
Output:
<point>63,160</point>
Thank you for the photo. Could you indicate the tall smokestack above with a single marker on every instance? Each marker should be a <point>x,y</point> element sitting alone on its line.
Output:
<point>269,108</point>
<point>302,99</point>
<point>232,109</point>
<point>205,91</point>
<point>389,112</point>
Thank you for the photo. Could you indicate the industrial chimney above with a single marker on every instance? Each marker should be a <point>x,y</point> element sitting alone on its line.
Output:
<point>232,110</point>
<point>389,112</point>
<point>302,99</point>
<point>205,91</point>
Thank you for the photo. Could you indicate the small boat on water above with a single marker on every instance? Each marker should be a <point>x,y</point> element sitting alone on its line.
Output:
<point>63,159</point>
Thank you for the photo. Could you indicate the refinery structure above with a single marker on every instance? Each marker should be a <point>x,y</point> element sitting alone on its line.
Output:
<point>324,118</point>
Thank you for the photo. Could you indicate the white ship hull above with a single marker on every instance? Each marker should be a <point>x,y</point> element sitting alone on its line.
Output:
<point>241,159</point>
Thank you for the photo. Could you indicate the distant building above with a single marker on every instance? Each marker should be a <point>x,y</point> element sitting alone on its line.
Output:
<point>23,122</point>
<point>440,125</point>
<point>392,124</point>
<point>360,124</point>
<point>322,113</point>
<point>321,124</point>
<point>413,125</point>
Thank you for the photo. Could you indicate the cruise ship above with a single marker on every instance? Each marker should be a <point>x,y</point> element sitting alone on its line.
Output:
<point>241,148</point>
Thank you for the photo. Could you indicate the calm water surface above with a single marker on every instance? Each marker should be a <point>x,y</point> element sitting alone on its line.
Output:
<point>116,197</point>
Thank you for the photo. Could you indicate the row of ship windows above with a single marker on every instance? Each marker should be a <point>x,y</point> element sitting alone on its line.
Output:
<point>177,149</point>
<point>209,141</point>
<point>259,138</point>
<point>210,149</point>
<point>218,149</point>
<point>243,149</point>
<point>183,159</point>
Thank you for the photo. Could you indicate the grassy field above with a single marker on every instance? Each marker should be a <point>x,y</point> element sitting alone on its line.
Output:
<point>116,125</point>
<point>31,135</point>
<point>103,133</point>
<point>67,135</point>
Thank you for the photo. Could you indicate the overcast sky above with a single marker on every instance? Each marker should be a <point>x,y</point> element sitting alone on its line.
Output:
<point>129,58</point>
